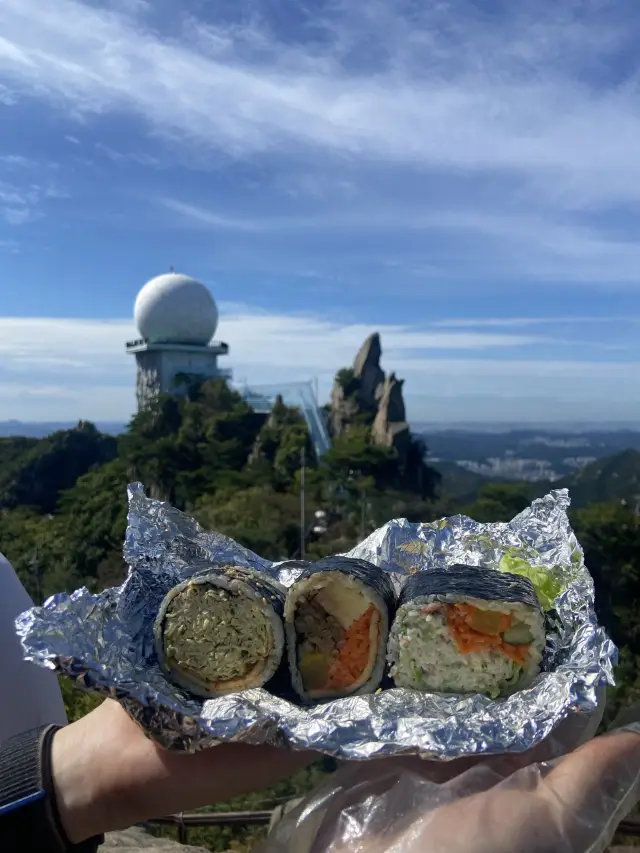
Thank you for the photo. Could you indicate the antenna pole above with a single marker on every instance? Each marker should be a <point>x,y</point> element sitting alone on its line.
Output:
<point>302,507</point>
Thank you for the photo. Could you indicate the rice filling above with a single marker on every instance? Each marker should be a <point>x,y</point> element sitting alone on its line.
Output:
<point>215,635</point>
<point>470,646</point>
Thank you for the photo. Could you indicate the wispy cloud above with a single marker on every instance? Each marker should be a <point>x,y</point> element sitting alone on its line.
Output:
<point>209,219</point>
<point>519,322</point>
<point>78,360</point>
<point>21,203</point>
<point>506,137</point>
<point>9,246</point>
<point>501,245</point>
<point>15,160</point>
<point>439,91</point>
<point>32,342</point>
<point>17,205</point>
<point>115,156</point>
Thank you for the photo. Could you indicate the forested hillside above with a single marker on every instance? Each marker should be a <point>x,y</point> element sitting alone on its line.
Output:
<point>616,478</point>
<point>63,507</point>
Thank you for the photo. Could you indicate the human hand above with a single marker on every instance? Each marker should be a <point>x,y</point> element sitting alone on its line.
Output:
<point>109,775</point>
<point>572,804</point>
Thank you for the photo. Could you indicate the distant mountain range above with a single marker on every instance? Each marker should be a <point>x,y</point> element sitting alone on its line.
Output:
<point>31,429</point>
<point>527,454</point>
<point>616,478</point>
<point>431,428</point>
<point>467,460</point>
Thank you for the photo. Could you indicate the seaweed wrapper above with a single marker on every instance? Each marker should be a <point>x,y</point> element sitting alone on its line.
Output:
<point>105,642</point>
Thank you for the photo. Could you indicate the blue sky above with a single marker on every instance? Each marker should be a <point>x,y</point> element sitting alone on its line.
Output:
<point>462,176</point>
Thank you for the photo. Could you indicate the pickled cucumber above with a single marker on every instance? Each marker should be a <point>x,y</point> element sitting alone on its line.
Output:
<point>314,669</point>
<point>518,634</point>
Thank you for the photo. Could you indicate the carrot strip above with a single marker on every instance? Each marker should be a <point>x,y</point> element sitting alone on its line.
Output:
<point>468,640</point>
<point>354,655</point>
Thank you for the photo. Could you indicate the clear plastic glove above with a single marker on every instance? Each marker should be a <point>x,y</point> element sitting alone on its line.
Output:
<point>495,805</point>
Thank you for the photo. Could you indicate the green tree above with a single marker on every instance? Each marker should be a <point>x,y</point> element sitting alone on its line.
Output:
<point>278,448</point>
<point>94,517</point>
<point>610,537</point>
<point>178,448</point>
<point>347,380</point>
<point>36,476</point>
<point>499,502</point>
<point>355,454</point>
<point>262,519</point>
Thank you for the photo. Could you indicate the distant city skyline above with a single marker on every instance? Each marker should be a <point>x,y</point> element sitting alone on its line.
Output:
<point>460,177</point>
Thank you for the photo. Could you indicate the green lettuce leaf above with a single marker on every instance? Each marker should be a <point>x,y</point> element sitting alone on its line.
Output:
<point>546,586</point>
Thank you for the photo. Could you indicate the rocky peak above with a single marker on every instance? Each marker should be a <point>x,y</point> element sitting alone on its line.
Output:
<point>368,355</point>
<point>368,373</point>
<point>392,398</point>
<point>364,392</point>
<point>390,427</point>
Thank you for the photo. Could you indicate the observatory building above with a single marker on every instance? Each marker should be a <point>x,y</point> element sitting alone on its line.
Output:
<point>176,318</point>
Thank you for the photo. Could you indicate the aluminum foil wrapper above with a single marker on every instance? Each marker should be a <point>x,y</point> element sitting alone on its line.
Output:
<point>105,642</point>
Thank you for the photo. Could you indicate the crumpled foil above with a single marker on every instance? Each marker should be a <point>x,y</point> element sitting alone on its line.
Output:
<point>105,642</point>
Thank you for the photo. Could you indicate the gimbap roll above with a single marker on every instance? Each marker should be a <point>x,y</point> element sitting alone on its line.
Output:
<point>221,631</point>
<point>337,617</point>
<point>466,630</point>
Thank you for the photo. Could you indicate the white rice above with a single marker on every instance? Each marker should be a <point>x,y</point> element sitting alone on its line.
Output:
<point>423,655</point>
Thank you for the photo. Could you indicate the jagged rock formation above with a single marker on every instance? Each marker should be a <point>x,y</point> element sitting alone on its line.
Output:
<point>364,394</point>
<point>368,373</point>
<point>390,427</point>
<point>357,390</point>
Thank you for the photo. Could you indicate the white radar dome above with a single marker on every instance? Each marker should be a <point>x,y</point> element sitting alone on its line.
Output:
<point>176,309</point>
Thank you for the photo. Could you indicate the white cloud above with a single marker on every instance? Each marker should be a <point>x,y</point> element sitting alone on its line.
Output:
<point>444,89</point>
<point>46,344</point>
<point>17,205</point>
<point>7,97</point>
<point>523,245</point>
<point>69,368</point>
<point>518,322</point>
<point>356,116</point>
<point>21,203</point>
<point>15,160</point>
<point>120,157</point>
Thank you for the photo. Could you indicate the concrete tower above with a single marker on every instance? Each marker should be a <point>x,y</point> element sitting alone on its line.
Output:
<point>177,318</point>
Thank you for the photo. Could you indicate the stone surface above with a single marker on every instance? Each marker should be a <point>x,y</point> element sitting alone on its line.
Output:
<point>390,428</point>
<point>374,396</point>
<point>367,370</point>
<point>344,410</point>
<point>136,839</point>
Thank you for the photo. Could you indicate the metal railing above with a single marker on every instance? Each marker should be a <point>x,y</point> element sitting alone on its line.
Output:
<point>186,820</point>
<point>183,821</point>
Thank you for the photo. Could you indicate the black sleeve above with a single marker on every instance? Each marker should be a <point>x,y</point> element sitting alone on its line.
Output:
<point>29,818</point>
